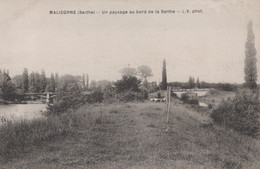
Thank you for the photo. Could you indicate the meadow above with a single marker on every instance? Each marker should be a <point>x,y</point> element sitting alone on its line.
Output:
<point>127,135</point>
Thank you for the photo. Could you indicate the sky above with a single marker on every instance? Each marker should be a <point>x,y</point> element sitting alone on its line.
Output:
<point>208,45</point>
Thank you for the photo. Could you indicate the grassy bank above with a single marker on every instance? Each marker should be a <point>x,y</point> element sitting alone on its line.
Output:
<point>21,137</point>
<point>130,135</point>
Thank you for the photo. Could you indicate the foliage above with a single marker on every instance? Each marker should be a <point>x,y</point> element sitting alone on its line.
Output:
<point>87,81</point>
<point>37,82</point>
<point>72,101</point>
<point>128,72</point>
<point>250,60</point>
<point>7,88</point>
<point>189,100</point>
<point>18,82</point>
<point>227,87</point>
<point>198,83</point>
<point>51,86</point>
<point>111,96</point>
<point>191,82</point>
<point>25,81</point>
<point>43,82</point>
<point>144,71</point>
<point>240,113</point>
<point>127,83</point>
<point>184,97</point>
<point>164,76</point>
<point>70,96</point>
<point>67,84</point>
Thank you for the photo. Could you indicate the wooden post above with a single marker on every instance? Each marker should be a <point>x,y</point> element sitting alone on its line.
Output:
<point>168,102</point>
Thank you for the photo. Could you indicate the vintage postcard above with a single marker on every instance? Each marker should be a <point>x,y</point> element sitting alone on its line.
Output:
<point>129,84</point>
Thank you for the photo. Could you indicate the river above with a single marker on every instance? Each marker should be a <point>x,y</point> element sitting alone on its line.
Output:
<point>17,112</point>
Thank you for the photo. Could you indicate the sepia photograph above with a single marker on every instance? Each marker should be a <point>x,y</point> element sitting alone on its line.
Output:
<point>119,84</point>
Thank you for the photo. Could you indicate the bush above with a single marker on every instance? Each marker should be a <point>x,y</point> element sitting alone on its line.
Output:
<point>189,100</point>
<point>130,96</point>
<point>66,101</point>
<point>240,114</point>
<point>228,87</point>
<point>184,97</point>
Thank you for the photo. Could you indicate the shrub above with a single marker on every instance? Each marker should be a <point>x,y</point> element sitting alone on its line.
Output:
<point>189,100</point>
<point>240,113</point>
<point>129,96</point>
<point>184,97</point>
<point>66,101</point>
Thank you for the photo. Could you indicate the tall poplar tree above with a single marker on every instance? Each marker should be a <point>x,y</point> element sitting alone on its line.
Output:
<point>164,76</point>
<point>43,81</point>
<point>250,60</point>
<point>25,84</point>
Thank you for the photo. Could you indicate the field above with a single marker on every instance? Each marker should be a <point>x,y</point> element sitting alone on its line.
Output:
<point>136,135</point>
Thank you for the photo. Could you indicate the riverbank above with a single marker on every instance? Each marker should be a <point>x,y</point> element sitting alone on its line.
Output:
<point>22,102</point>
<point>131,135</point>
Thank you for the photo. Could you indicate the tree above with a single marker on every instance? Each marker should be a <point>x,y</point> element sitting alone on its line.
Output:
<point>128,71</point>
<point>144,72</point>
<point>18,82</point>
<point>43,82</point>
<point>164,76</point>
<point>25,83</point>
<point>56,81</point>
<point>7,88</point>
<point>250,60</point>
<point>87,81</point>
<point>191,82</point>
<point>32,83</point>
<point>83,80</point>
<point>67,84</point>
<point>103,84</point>
<point>128,83</point>
<point>198,83</point>
<point>51,84</point>
<point>38,82</point>
<point>93,85</point>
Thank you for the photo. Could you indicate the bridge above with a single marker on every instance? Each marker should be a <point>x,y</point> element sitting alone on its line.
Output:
<point>46,95</point>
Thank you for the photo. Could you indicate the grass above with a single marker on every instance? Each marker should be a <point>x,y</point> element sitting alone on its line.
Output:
<point>133,135</point>
<point>17,138</point>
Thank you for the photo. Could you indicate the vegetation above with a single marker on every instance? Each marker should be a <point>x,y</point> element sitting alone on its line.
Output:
<point>128,135</point>
<point>20,137</point>
<point>25,81</point>
<point>7,88</point>
<point>128,83</point>
<point>240,113</point>
<point>128,72</point>
<point>164,76</point>
<point>250,60</point>
<point>191,82</point>
<point>186,98</point>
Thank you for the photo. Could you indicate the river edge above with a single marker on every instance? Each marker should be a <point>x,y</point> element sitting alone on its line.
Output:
<point>21,102</point>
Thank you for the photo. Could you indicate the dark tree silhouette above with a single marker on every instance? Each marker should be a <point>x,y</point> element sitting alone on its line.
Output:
<point>25,83</point>
<point>250,60</point>
<point>164,76</point>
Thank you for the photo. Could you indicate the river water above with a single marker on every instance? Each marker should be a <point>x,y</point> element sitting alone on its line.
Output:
<point>17,112</point>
